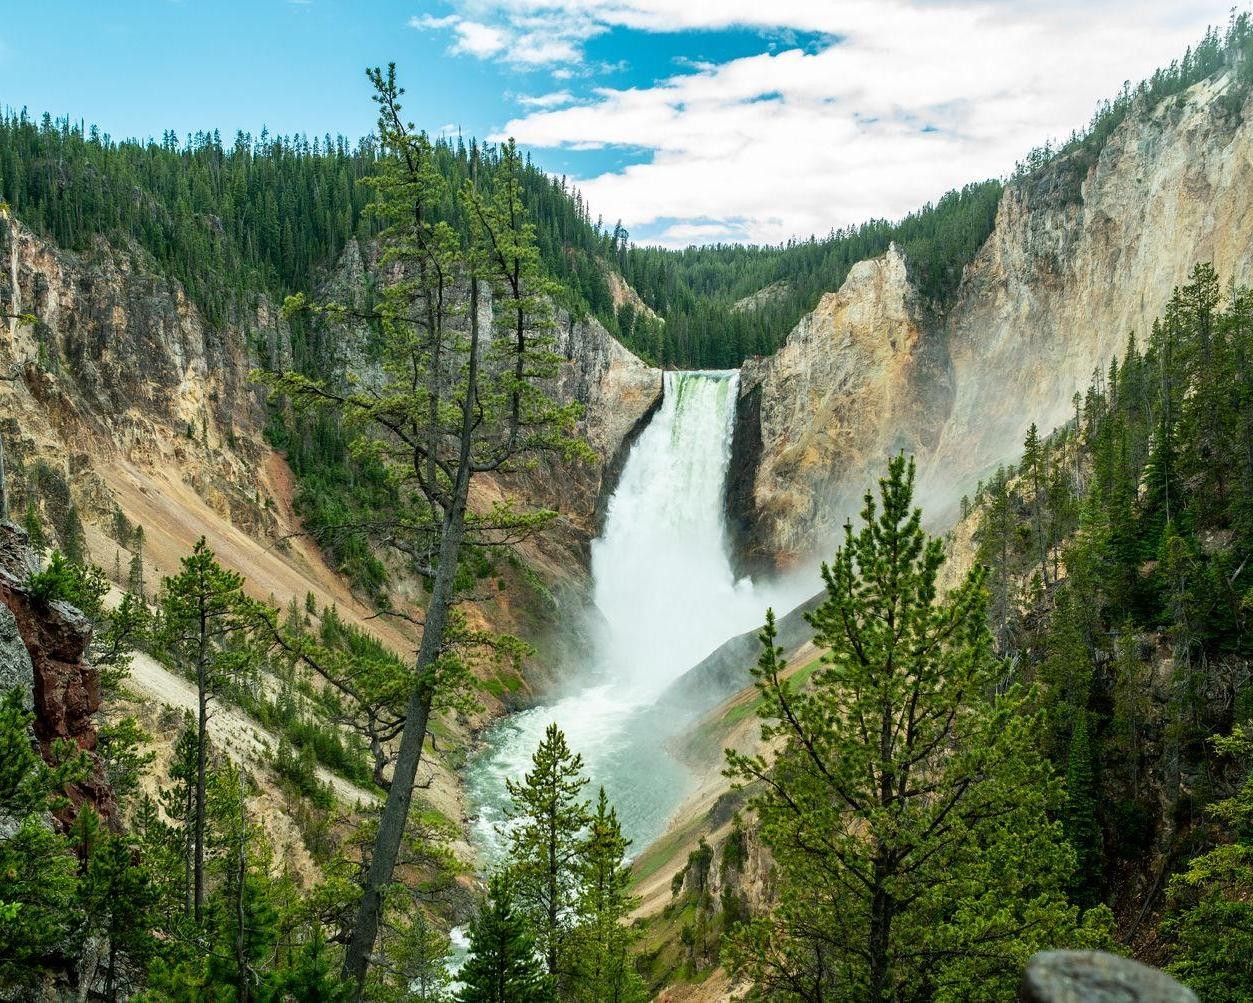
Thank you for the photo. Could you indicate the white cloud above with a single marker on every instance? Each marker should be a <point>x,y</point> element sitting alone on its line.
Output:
<point>517,37</point>
<point>682,234</point>
<point>553,100</point>
<point>480,40</point>
<point>429,22</point>
<point>914,99</point>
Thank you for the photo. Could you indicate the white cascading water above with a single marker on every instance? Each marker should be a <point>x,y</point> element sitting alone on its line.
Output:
<point>666,589</point>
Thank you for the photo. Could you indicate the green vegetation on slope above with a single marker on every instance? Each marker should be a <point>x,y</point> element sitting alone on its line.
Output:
<point>696,290</point>
<point>908,810</point>
<point>258,214</point>
<point>1218,50</point>
<point>1118,555</point>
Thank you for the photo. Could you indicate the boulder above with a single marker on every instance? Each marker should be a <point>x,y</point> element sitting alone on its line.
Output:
<point>1097,977</point>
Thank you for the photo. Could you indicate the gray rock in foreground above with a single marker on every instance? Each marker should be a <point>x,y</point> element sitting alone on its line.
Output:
<point>15,665</point>
<point>1097,977</point>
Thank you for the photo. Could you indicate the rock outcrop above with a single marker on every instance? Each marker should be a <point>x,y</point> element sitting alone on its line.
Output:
<point>119,365</point>
<point>1075,263</point>
<point>619,393</point>
<point>852,384</point>
<point>121,402</point>
<point>43,646</point>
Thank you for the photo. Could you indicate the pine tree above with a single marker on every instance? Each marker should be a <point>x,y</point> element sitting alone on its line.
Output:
<point>179,802</point>
<point>1066,669</point>
<point>205,618</point>
<point>1079,818</point>
<point>34,529</point>
<point>40,916</point>
<point>602,971</point>
<point>545,841</point>
<point>135,576</point>
<point>417,961</point>
<point>245,921</point>
<point>311,976</point>
<point>996,547</point>
<point>1035,465</point>
<point>119,900</point>
<point>503,966</point>
<point>449,409</point>
<point>1212,900</point>
<point>905,804</point>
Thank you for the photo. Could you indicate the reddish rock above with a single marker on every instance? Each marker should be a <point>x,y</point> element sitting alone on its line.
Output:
<point>66,684</point>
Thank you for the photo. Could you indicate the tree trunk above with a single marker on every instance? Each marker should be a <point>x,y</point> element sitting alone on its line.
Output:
<point>395,815</point>
<point>553,892</point>
<point>202,743</point>
<point>110,977</point>
<point>880,933</point>
<point>241,874</point>
<point>400,795</point>
<point>189,850</point>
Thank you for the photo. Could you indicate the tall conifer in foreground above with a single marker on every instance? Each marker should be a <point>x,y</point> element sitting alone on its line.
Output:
<point>441,409</point>
<point>905,805</point>
<point>545,846</point>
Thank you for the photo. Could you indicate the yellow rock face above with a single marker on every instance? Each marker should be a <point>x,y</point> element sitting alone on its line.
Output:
<point>1076,262</point>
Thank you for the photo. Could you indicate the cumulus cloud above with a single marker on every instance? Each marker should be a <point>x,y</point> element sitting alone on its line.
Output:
<point>700,233</point>
<point>480,40</point>
<point>904,100</point>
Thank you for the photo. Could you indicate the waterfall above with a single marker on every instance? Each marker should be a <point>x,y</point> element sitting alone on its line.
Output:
<point>661,568</point>
<point>664,583</point>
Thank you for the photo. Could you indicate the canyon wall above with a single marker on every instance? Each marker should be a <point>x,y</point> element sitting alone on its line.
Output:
<point>118,398</point>
<point>1075,263</point>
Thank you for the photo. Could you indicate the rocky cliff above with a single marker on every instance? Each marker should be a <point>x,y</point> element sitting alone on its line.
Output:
<point>854,382</point>
<point>121,403</point>
<point>43,653</point>
<point>1076,262</point>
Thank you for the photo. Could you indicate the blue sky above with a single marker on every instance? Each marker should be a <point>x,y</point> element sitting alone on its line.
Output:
<point>691,120</point>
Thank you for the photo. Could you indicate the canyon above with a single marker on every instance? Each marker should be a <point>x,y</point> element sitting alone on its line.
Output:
<point>123,405</point>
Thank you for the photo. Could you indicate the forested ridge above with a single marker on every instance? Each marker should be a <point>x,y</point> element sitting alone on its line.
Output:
<point>272,213</point>
<point>256,214</point>
<point>1118,554</point>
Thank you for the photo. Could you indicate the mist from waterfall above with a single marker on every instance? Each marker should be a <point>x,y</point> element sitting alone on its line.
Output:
<point>665,586</point>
